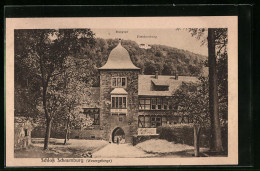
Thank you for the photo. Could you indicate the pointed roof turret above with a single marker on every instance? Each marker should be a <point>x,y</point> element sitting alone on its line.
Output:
<point>119,58</point>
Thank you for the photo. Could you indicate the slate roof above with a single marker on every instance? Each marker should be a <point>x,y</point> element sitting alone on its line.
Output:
<point>145,87</point>
<point>119,58</point>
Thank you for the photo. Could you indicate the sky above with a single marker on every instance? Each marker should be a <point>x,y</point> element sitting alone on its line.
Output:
<point>180,39</point>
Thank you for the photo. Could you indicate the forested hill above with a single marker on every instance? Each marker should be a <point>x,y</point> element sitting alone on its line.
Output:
<point>165,59</point>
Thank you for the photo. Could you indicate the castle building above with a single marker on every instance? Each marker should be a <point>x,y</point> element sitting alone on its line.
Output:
<point>129,104</point>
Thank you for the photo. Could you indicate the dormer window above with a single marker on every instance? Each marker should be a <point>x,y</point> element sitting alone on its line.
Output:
<point>161,88</point>
<point>160,85</point>
<point>119,82</point>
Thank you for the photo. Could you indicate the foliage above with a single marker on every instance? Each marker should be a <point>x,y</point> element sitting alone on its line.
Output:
<point>217,40</point>
<point>192,99</point>
<point>72,83</point>
<point>164,59</point>
<point>44,53</point>
<point>183,134</point>
<point>39,58</point>
<point>221,41</point>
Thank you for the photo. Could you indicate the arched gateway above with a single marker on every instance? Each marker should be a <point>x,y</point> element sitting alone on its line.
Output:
<point>118,135</point>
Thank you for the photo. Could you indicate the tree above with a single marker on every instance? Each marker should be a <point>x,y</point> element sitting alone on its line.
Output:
<point>216,144</point>
<point>44,52</point>
<point>217,48</point>
<point>73,92</point>
<point>190,100</point>
<point>167,69</point>
<point>150,68</point>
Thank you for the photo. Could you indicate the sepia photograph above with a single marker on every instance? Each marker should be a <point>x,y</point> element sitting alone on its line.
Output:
<point>85,94</point>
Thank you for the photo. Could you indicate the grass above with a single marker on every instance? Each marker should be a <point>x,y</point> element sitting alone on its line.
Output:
<point>75,148</point>
<point>162,146</point>
<point>165,148</point>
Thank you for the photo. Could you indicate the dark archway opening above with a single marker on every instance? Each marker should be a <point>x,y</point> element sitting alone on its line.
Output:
<point>118,135</point>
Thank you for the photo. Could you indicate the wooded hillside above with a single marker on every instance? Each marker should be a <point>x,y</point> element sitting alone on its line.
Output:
<point>167,60</point>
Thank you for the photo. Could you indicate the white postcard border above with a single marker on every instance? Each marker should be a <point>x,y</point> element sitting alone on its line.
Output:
<point>230,22</point>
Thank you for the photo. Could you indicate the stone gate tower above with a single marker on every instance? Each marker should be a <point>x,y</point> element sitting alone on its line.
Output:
<point>119,96</point>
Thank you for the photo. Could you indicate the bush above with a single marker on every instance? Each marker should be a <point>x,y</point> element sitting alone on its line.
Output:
<point>183,133</point>
<point>139,139</point>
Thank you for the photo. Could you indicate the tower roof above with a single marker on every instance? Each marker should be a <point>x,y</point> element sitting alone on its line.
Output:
<point>119,58</point>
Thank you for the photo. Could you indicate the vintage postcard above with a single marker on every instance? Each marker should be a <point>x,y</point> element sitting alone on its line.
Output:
<point>121,91</point>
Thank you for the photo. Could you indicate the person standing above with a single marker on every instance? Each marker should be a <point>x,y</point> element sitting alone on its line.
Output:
<point>117,140</point>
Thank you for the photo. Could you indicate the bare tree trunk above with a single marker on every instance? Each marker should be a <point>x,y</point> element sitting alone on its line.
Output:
<point>48,118</point>
<point>216,141</point>
<point>196,140</point>
<point>67,131</point>
<point>66,137</point>
<point>47,133</point>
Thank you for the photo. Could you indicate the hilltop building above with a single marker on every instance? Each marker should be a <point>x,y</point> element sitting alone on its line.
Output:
<point>129,104</point>
<point>144,46</point>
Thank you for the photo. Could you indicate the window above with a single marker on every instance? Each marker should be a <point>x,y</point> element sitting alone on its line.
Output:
<point>145,104</point>
<point>159,103</point>
<point>147,123</point>
<point>116,105</point>
<point>26,132</point>
<point>165,104</point>
<point>94,114</point>
<point>164,121</point>
<point>141,123</point>
<point>154,103</point>
<point>114,82</point>
<point>151,121</point>
<point>124,103</point>
<point>119,82</point>
<point>118,102</point>
<point>96,119</point>
<point>123,82</point>
<point>161,88</point>
<point>155,122</point>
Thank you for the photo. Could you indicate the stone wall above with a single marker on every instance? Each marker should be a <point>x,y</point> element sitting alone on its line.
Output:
<point>22,133</point>
<point>130,123</point>
<point>91,133</point>
<point>87,134</point>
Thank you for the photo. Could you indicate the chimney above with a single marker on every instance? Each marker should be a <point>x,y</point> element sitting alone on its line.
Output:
<point>156,74</point>
<point>176,76</point>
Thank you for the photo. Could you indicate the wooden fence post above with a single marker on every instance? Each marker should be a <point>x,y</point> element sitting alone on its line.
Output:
<point>196,140</point>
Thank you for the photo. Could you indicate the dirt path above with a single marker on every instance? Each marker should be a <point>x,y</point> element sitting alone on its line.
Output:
<point>120,151</point>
